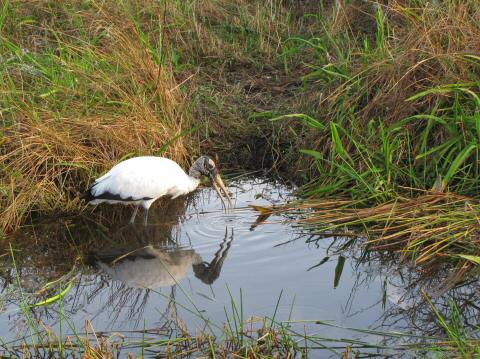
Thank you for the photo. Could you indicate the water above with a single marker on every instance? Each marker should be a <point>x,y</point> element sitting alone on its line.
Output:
<point>194,258</point>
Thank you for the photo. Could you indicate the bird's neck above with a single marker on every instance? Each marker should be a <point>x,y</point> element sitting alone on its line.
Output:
<point>194,182</point>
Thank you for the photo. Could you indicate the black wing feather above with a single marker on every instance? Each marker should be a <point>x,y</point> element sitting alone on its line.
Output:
<point>88,197</point>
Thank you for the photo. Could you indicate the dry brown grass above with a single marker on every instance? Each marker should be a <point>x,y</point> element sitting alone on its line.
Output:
<point>87,84</point>
<point>50,154</point>
<point>423,46</point>
<point>430,230</point>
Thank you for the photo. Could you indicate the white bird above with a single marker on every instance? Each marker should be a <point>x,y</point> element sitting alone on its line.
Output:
<point>142,180</point>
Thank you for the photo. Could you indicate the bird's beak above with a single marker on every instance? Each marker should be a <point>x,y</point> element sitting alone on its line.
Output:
<point>219,186</point>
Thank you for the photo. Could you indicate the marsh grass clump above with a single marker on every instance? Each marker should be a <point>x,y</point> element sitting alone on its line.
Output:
<point>83,91</point>
<point>87,84</point>
<point>394,100</point>
<point>432,230</point>
<point>262,337</point>
<point>393,127</point>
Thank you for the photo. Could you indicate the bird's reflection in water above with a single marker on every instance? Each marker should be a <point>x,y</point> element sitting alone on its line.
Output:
<point>209,272</point>
<point>149,267</point>
<point>156,266</point>
<point>136,269</point>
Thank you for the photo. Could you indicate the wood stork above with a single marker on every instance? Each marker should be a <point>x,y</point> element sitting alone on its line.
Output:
<point>142,180</point>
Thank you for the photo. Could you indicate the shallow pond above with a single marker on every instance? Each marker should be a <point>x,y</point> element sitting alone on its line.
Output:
<point>184,271</point>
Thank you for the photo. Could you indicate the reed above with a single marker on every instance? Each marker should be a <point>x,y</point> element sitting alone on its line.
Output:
<point>263,337</point>
<point>397,98</point>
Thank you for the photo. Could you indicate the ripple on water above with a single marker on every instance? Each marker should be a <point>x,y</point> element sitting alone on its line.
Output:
<point>219,249</point>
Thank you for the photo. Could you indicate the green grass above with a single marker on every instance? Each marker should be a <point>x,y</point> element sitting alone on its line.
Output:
<point>398,107</point>
<point>263,337</point>
<point>459,336</point>
<point>393,120</point>
<point>376,103</point>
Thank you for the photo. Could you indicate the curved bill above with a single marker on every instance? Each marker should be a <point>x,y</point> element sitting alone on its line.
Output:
<point>219,187</point>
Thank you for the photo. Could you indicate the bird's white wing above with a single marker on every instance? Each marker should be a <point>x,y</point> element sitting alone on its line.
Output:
<point>141,178</point>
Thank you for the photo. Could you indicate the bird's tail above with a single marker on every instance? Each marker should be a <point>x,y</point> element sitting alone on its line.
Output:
<point>87,196</point>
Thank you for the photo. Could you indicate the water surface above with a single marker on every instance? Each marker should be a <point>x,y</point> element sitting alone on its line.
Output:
<point>183,272</point>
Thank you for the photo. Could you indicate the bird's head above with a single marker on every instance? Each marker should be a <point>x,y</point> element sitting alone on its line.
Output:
<point>205,167</point>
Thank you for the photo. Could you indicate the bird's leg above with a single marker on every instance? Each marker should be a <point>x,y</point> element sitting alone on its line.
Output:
<point>144,237</point>
<point>145,219</point>
<point>132,219</point>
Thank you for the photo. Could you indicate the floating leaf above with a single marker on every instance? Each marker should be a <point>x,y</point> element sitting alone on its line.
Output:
<point>260,219</point>
<point>63,278</point>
